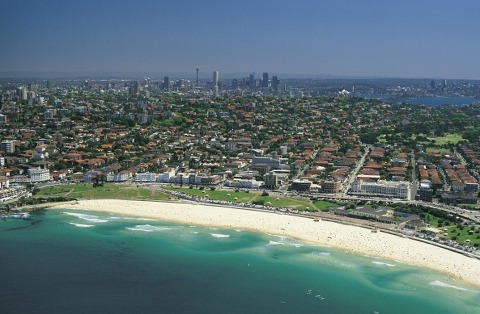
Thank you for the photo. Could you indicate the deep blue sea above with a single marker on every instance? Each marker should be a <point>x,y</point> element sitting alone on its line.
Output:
<point>64,261</point>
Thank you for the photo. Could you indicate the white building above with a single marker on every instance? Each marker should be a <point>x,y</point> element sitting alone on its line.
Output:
<point>245,183</point>
<point>39,175</point>
<point>395,189</point>
<point>122,176</point>
<point>7,146</point>
<point>146,177</point>
<point>164,177</point>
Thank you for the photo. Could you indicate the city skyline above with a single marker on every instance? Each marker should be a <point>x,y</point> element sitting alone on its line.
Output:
<point>303,39</point>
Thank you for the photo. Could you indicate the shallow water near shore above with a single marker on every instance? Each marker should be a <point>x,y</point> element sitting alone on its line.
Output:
<point>77,262</point>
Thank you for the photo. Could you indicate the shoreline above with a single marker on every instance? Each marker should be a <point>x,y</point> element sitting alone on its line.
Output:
<point>345,237</point>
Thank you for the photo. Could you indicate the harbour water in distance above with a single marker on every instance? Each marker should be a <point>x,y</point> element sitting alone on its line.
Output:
<point>426,101</point>
<point>87,262</point>
<point>440,101</point>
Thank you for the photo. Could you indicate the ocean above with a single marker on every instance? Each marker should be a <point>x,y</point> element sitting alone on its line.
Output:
<point>65,261</point>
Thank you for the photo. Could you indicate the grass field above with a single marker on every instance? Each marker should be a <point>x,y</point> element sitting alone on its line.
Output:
<point>293,203</point>
<point>113,191</point>
<point>221,195</point>
<point>323,205</point>
<point>250,197</point>
<point>454,232</point>
<point>132,192</point>
<point>449,138</point>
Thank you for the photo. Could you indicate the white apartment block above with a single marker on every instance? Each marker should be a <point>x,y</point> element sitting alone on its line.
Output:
<point>397,189</point>
<point>39,175</point>
<point>155,177</point>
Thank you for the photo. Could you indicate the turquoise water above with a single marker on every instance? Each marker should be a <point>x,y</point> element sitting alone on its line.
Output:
<point>76,262</point>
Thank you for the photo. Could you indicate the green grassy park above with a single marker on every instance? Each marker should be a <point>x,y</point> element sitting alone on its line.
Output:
<point>134,192</point>
<point>452,231</point>
<point>108,191</point>
<point>296,203</point>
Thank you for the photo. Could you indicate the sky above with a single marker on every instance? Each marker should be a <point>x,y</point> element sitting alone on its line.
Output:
<point>318,38</point>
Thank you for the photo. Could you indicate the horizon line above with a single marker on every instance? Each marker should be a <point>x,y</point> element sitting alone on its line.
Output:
<point>5,75</point>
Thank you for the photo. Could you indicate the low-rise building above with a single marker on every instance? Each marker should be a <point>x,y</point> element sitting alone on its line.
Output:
<point>39,175</point>
<point>331,186</point>
<point>459,198</point>
<point>245,183</point>
<point>271,180</point>
<point>301,185</point>
<point>385,188</point>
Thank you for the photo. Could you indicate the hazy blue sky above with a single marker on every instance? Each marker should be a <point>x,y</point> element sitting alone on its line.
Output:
<point>385,38</point>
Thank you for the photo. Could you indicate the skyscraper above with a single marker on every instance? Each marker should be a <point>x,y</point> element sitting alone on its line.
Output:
<point>166,83</point>
<point>197,76</point>
<point>275,83</point>
<point>251,81</point>
<point>215,78</point>
<point>215,84</point>
<point>265,79</point>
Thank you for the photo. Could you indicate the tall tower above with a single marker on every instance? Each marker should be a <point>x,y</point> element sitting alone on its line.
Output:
<point>275,83</point>
<point>215,84</point>
<point>215,78</point>
<point>252,81</point>
<point>166,83</point>
<point>265,79</point>
<point>197,76</point>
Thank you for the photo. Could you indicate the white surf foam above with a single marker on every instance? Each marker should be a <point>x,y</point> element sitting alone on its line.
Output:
<point>446,285</point>
<point>219,235</point>
<point>147,228</point>
<point>140,218</point>
<point>82,225</point>
<point>383,264</point>
<point>19,216</point>
<point>89,218</point>
<point>274,243</point>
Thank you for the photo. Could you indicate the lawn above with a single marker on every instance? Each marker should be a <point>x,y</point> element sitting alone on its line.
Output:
<point>113,191</point>
<point>454,232</point>
<point>133,192</point>
<point>249,197</point>
<point>323,205</point>
<point>221,195</point>
<point>287,202</point>
<point>448,138</point>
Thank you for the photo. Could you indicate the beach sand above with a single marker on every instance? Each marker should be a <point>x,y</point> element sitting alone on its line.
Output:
<point>328,234</point>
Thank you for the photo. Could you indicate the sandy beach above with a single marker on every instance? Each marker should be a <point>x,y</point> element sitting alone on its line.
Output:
<point>324,233</point>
